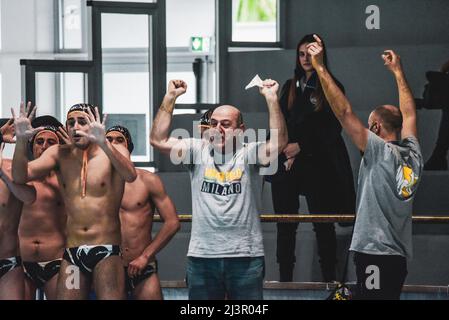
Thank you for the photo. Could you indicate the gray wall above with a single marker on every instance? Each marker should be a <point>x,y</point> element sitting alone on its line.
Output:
<point>342,22</point>
<point>360,69</point>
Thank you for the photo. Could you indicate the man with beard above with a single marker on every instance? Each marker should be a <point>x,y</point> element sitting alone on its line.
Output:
<point>226,253</point>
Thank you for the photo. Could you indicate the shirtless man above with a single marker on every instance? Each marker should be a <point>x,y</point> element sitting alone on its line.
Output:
<point>139,202</point>
<point>42,224</point>
<point>12,197</point>
<point>92,175</point>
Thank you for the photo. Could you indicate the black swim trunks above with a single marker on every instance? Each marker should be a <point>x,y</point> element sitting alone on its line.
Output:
<point>41,272</point>
<point>131,283</point>
<point>9,264</point>
<point>87,257</point>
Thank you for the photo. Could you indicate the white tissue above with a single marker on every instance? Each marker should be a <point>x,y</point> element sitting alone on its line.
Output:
<point>256,81</point>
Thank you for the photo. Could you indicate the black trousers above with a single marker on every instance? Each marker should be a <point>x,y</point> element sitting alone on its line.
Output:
<point>286,188</point>
<point>379,277</point>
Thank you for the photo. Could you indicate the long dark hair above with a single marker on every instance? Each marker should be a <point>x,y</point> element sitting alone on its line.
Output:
<point>299,73</point>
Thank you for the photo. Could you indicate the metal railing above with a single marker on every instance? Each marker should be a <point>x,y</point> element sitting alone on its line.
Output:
<point>318,218</point>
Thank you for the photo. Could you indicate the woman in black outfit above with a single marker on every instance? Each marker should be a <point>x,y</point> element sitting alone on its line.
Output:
<point>315,164</point>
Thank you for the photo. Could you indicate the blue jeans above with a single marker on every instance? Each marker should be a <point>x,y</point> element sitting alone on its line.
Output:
<point>220,278</point>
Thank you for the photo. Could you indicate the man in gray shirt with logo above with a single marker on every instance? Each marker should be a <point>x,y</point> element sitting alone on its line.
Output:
<point>388,179</point>
<point>226,254</point>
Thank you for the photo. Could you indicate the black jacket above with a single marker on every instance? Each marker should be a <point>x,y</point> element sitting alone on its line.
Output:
<point>323,151</point>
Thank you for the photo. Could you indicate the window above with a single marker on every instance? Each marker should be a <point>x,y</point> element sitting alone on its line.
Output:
<point>71,19</point>
<point>129,55</point>
<point>186,19</point>
<point>126,100</point>
<point>127,37</point>
<point>256,23</point>
<point>189,78</point>
<point>56,85</point>
<point>124,31</point>
<point>56,92</point>
<point>140,1</point>
<point>197,21</point>
<point>72,90</point>
<point>125,40</point>
<point>0,29</point>
<point>1,105</point>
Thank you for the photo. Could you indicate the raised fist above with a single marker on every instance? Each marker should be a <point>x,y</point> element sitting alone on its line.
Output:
<point>269,88</point>
<point>392,61</point>
<point>316,51</point>
<point>176,88</point>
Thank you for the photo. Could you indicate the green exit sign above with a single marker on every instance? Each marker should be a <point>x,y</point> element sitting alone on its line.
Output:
<point>200,44</point>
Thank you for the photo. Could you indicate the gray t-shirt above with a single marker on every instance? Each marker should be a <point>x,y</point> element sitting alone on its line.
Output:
<point>225,202</point>
<point>388,179</point>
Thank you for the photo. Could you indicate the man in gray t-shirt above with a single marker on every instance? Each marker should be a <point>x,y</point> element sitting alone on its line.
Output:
<point>388,179</point>
<point>389,175</point>
<point>225,202</point>
<point>226,255</point>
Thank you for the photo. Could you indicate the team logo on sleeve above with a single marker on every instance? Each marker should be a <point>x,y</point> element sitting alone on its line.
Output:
<point>406,181</point>
<point>222,183</point>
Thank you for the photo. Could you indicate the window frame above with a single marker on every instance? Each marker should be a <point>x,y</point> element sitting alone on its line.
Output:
<point>280,43</point>
<point>157,52</point>
<point>59,32</point>
<point>30,67</point>
<point>93,68</point>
